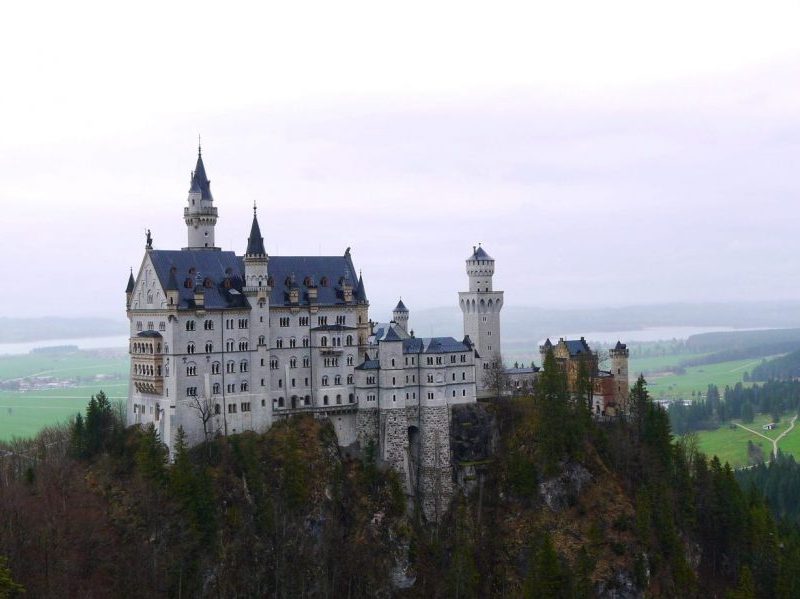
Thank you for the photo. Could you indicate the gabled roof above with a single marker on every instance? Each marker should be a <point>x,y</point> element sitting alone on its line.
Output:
<point>255,243</point>
<point>369,365</point>
<point>400,307</point>
<point>131,283</point>
<point>328,274</point>
<point>433,345</point>
<point>387,331</point>
<point>478,253</point>
<point>577,347</point>
<point>200,183</point>
<point>217,267</point>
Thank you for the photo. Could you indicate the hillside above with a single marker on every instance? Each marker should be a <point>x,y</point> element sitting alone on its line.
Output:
<point>560,507</point>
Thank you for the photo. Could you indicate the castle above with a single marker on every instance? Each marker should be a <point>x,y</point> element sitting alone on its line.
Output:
<point>221,344</point>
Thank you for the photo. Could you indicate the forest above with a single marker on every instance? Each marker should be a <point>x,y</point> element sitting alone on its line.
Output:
<point>566,506</point>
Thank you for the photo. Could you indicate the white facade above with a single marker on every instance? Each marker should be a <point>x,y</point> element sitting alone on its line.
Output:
<point>222,344</point>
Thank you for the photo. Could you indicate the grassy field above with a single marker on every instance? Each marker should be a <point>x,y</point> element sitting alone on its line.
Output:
<point>729,442</point>
<point>24,413</point>
<point>658,363</point>
<point>697,378</point>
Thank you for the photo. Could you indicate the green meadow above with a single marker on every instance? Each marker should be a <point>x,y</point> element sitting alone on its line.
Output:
<point>24,413</point>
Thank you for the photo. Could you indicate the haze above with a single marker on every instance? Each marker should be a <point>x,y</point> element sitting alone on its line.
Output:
<point>604,155</point>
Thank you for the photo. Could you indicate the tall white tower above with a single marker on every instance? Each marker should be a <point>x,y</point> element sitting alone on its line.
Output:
<point>481,307</point>
<point>200,214</point>
<point>400,315</point>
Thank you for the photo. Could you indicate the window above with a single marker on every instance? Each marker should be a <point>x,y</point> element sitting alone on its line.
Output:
<point>429,361</point>
<point>392,362</point>
<point>139,325</point>
<point>338,400</point>
<point>454,376</point>
<point>243,366</point>
<point>242,323</point>
<point>216,389</point>
<point>229,345</point>
<point>209,347</point>
<point>322,321</point>
<point>454,392</point>
<point>394,381</point>
<point>262,382</point>
<point>243,386</point>
<point>430,395</point>
<point>303,321</point>
<point>293,383</point>
<point>230,388</point>
<point>191,391</point>
<point>243,345</point>
<point>325,400</point>
<point>350,360</point>
<point>190,348</point>
<point>190,325</point>
<point>438,360</point>
<point>323,282</point>
<point>323,341</point>
<point>217,408</point>
<point>324,381</point>
<point>191,370</point>
<point>162,326</point>
<point>262,340</point>
<point>279,343</point>
<point>349,379</point>
<point>337,380</point>
<point>280,383</point>
<point>284,321</point>
<point>305,341</point>
<point>340,320</point>
<point>430,378</point>
<point>208,325</point>
<point>370,380</point>
<point>453,359</point>
<point>463,357</point>
<point>463,376</point>
<point>280,402</point>
<point>273,363</point>
<point>306,361</point>
<point>412,360</point>
<point>292,362</point>
<point>245,406</point>
<point>231,408</point>
<point>292,342</point>
<point>230,367</point>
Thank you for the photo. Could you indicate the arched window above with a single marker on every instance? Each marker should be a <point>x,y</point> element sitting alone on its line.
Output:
<point>324,381</point>
<point>337,380</point>
<point>351,398</point>
<point>292,342</point>
<point>323,282</point>
<point>209,347</point>
<point>243,366</point>
<point>215,367</point>
<point>208,325</point>
<point>305,341</point>
<point>190,325</point>
<point>292,362</point>
<point>262,340</point>
<point>243,346</point>
<point>215,389</point>
<point>279,343</point>
<point>243,386</point>
<point>349,340</point>
<point>338,400</point>
<point>325,400</point>
<point>323,341</point>
<point>350,360</point>
<point>190,348</point>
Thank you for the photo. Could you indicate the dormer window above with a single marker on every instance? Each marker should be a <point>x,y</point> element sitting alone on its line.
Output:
<point>323,281</point>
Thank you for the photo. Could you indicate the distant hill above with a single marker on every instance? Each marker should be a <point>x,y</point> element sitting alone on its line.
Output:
<point>783,368</point>
<point>14,330</point>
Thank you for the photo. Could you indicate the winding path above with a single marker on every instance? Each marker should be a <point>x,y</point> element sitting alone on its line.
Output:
<point>773,441</point>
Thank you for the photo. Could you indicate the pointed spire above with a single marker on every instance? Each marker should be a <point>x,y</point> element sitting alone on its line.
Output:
<point>131,283</point>
<point>255,243</point>
<point>361,295</point>
<point>200,183</point>
<point>401,307</point>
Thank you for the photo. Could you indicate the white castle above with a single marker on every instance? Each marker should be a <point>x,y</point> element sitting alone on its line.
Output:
<point>221,344</point>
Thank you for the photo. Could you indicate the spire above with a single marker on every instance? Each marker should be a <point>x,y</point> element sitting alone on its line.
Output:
<point>255,243</point>
<point>361,295</point>
<point>200,182</point>
<point>400,307</point>
<point>131,283</point>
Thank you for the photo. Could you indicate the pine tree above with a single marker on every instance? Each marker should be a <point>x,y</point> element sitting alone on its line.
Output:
<point>546,578</point>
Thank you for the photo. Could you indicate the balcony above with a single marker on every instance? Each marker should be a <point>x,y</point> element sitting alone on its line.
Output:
<point>195,211</point>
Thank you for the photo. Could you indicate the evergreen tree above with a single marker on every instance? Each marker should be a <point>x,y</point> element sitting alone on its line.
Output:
<point>8,588</point>
<point>151,455</point>
<point>546,579</point>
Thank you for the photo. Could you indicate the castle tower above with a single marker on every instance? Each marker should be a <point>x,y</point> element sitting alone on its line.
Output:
<point>619,368</point>
<point>481,307</point>
<point>400,315</point>
<point>256,289</point>
<point>200,214</point>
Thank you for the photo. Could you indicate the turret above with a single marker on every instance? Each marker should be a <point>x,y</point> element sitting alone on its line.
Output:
<point>400,315</point>
<point>200,214</point>
<point>256,261</point>
<point>619,368</point>
<point>480,269</point>
<point>129,290</point>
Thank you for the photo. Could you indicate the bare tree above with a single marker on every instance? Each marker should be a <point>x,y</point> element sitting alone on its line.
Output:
<point>205,411</point>
<point>494,377</point>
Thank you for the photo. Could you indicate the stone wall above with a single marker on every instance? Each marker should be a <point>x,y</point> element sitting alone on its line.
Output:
<point>435,476</point>
<point>366,427</point>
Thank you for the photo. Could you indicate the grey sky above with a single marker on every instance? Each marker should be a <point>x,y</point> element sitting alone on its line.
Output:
<point>601,156</point>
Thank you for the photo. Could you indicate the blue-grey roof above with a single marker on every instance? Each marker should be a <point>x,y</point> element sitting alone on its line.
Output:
<point>387,331</point>
<point>400,307</point>
<point>200,183</point>
<point>131,284</point>
<point>577,347</point>
<point>333,327</point>
<point>149,334</point>
<point>216,266</point>
<point>327,273</point>
<point>369,365</point>
<point>479,254</point>
<point>255,243</point>
<point>620,346</point>
<point>522,370</point>
<point>433,345</point>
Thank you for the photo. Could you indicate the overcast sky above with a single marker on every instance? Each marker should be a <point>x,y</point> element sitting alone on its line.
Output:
<point>604,153</point>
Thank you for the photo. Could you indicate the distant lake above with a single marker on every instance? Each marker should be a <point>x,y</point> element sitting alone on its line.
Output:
<point>646,334</point>
<point>115,342</point>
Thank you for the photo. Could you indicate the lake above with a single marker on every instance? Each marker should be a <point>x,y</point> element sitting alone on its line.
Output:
<point>114,341</point>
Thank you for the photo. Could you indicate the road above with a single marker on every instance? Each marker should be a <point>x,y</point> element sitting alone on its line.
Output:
<point>773,441</point>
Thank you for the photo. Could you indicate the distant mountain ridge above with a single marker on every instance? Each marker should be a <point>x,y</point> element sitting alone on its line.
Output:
<point>19,330</point>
